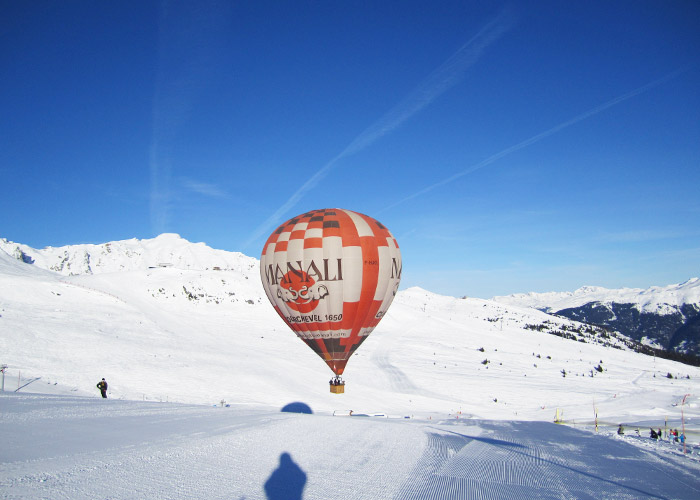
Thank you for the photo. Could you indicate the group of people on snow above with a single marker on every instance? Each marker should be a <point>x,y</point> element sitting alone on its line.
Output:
<point>672,434</point>
<point>678,438</point>
<point>658,434</point>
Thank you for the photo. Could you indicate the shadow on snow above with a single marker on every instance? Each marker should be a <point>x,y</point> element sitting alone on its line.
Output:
<point>287,481</point>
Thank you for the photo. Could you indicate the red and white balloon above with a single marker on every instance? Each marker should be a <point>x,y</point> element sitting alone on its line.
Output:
<point>331,275</point>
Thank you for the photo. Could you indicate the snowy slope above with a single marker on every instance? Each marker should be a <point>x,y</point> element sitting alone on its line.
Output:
<point>656,299</point>
<point>167,250</point>
<point>667,317</point>
<point>198,336</point>
<point>86,448</point>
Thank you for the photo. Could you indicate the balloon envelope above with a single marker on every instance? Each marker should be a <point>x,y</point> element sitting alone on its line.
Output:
<point>331,275</point>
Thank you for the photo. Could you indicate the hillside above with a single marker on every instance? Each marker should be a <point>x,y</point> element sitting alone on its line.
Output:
<point>166,250</point>
<point>190,333</point>
<point>665,317</point>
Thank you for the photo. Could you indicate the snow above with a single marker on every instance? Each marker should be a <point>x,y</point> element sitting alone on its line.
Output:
<point>656,299</point>
<point>463,390</point>
<point>165,250</point>
<point>85,448</point>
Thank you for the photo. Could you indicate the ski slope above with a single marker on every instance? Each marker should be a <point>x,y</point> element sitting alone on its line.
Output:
<point>467,390</point>
<point>65,447</point>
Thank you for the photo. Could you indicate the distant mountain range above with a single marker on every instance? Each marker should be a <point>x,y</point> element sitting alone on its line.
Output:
<point>665,317</point>
<point>167,319</point>
<point>166,250</point>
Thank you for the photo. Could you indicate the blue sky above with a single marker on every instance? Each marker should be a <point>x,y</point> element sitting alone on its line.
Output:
<point>510,147</point>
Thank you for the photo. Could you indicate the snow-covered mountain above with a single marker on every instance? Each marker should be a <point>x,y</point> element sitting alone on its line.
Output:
<point>667,317</point>
<point>166,319</point>
<point>172,321</point>
<point>656,299</point>
<point>166,250</point>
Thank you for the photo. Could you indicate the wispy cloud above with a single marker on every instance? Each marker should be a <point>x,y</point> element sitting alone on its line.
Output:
<point>543,135</point>
<point>160,195</point>
<point>446,76</point>
<point>204,188</point>
<point>642,235</point>
<point>439,81</point>
<point>184,62</point>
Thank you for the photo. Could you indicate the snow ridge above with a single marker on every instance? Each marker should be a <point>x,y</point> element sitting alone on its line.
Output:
<point>656,299</point>
<point>193,333</point>
<point>166,250</point>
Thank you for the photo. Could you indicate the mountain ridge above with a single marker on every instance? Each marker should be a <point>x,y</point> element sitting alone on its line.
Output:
<point>665,317</point>
<point>165,250</point>
<point>648,300</point>
<point>167,274</point>
<point>197,334</point>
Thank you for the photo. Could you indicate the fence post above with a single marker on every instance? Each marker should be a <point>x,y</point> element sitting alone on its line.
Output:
<point>685,438</point>
<point>2,369</point>
<point>595,415</point>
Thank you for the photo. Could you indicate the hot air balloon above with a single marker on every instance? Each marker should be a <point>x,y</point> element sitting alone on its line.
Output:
<point>331,275</point>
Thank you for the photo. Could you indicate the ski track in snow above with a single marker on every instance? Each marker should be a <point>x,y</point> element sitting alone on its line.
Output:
<point>199,335</point>
<point>398,379</point>
<point>63,447</point>
<point>526,460</point>
<point>83,448</point>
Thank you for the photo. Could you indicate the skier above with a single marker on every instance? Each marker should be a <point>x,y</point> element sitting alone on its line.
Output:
<point>102,386</point>
<point>620,430</point>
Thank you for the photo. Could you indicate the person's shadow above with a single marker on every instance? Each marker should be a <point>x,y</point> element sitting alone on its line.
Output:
<point>287,482</point>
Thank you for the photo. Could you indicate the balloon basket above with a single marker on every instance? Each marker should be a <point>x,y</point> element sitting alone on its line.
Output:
<point>338,389</point>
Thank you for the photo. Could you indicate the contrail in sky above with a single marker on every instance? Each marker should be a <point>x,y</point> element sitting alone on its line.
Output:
<point>543,135</point>
<point>439,81</point>
<point>188,35</point>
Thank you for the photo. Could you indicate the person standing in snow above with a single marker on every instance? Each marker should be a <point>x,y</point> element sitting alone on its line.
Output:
<point>102,386</point>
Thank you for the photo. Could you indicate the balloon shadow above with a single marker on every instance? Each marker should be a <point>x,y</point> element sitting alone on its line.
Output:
<point>287,481</point>
<point>297,407</point>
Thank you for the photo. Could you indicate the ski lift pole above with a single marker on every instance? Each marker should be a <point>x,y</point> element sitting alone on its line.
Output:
<point>2,369</point>
<point>595,415</point>
<point>558,416</point>
<point>683,424</point>
<point>596,418</point>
